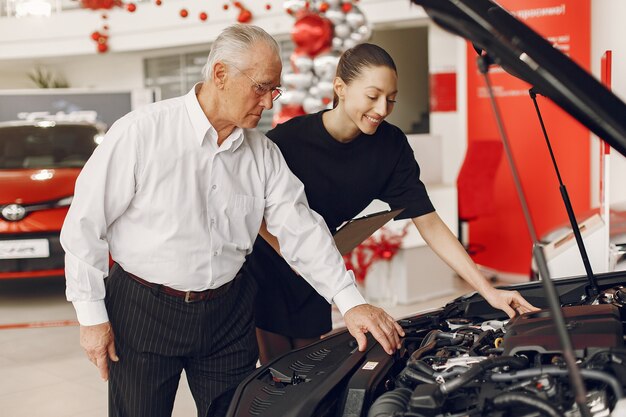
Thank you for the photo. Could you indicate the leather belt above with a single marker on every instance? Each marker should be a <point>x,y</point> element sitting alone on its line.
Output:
<point>188,296</point>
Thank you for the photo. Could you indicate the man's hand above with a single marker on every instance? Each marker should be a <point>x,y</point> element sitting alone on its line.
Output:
<point>367,318</point>
<point>511,302</point>
<point>98,344</point>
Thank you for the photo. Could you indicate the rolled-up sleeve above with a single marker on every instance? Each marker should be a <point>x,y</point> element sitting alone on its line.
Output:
<point>305,241</point>
<point>103,191</point>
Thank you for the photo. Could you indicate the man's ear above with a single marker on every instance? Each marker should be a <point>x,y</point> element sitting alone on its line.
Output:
<point>219,74</point>
<point>339,86</point>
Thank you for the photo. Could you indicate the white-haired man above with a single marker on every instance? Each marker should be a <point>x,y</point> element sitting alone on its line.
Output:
<point>176,193</point>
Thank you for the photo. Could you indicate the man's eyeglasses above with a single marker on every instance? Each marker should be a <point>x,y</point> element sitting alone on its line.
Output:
<point>261,90</point>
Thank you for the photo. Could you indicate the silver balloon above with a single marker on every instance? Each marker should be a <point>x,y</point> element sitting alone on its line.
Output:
<point>312,104</point>
<point>349,43</point>
<point>365,31</point>
<point>299,81</point>
<point>355,19</point>
<point>314,91</point>
<point>326,88</point>
<point>325,66</point>
<point>293,97</point>
<point>335,16</point>
<point>302,63</point>
<point>294,5</point>
<point>337,43</point>
<point>342,30</point>
<point>357,37</point>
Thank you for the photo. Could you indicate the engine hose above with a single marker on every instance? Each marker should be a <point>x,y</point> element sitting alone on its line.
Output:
<point>480,367</point>
<point>556,371</point>
<point>391,403</point>
<point>422,350</point>
<point>514,399</point>
<point>410,377</point>
<point>420,365</point>
<point>430,337</point>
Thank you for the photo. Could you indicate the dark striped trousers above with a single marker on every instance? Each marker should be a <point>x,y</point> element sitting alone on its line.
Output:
<point>157,336</point>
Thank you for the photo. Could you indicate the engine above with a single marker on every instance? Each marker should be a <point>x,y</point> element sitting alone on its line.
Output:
<point>461,367</point>
<point>461,360</point>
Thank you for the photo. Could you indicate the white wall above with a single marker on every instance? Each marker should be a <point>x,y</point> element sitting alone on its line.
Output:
<point>446,53</point>
<point>62,42</point>
<point>152,27</point>
<point>608,32</point>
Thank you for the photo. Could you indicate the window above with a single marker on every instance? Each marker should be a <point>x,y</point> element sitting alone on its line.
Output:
<point>175,75</point>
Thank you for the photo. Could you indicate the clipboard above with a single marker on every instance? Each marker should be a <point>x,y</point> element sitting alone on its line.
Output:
<point>355,231</point>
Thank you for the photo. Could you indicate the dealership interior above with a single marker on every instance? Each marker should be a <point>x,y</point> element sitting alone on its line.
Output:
<point>93,61</point>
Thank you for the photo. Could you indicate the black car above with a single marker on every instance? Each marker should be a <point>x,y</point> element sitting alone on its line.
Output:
<point>466,359</point>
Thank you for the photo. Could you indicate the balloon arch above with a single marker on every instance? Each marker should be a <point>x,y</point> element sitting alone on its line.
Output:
<point>321,32</point>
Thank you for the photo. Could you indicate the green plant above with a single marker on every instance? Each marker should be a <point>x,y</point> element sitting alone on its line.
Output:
<point>44,78</point>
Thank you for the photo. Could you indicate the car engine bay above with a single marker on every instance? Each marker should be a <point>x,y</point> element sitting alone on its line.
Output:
<point>462,360</point>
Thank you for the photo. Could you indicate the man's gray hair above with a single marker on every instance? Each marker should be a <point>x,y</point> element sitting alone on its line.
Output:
<point>233,45</point>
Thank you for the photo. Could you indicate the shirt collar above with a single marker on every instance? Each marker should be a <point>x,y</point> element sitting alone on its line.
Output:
<point>202,126</point>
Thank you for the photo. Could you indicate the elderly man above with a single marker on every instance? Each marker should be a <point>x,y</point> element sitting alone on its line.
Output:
<point>176,193</point>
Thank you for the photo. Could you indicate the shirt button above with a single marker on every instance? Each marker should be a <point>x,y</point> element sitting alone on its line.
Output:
<point>214,187</point>
<point>215,253</point>
<point>212,221</point>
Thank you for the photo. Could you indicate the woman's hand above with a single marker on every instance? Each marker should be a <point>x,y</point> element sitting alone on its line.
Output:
<point>511,302</point>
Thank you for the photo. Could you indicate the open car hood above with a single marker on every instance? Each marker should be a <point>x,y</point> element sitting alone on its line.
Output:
<point>527,55</point>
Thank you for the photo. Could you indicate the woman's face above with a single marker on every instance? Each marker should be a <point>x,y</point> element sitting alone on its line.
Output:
<point>370,97</point>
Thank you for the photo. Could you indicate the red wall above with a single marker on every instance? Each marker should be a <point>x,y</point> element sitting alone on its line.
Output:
<point>506,241</point>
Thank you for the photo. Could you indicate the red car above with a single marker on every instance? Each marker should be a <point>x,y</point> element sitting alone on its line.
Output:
<point>39,164</point>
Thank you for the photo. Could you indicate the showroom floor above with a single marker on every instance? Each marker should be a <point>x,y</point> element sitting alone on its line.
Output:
<point>43,371</point>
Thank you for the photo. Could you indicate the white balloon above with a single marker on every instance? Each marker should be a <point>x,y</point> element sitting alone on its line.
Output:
<point>325,66</point>
<point>335,16</point>
<point>357,37</point>
<point>312,105</point>
<point>337,43</point>
<point>294,5</point>
<point>342,30</point>
<point>366,31</point>
<point>349,43</point>
<point>303,63</point>
<point>326,88</point>
<point>293,97</point>
<point>355,19</point>
<point>299,81</point>
<point>314,91</point>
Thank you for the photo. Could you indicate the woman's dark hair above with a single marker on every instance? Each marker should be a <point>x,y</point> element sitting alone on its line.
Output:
<point>354,60</point>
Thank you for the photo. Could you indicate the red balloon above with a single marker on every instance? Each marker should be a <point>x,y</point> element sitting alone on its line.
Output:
<point>102,48</point>
<point>244,16</point>
<point>100,4</point>
<point>287,112</point>
<point>312,33</point>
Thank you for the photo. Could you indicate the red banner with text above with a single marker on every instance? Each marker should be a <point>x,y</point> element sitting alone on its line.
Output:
<point>501,232</point>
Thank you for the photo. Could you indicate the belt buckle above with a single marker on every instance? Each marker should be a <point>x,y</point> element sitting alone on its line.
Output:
<point>187,297</point>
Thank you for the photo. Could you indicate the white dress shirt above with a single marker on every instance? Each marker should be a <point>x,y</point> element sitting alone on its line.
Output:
<point>174,208</point>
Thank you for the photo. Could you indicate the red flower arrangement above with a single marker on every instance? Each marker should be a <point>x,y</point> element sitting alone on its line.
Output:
<point>383,245</point>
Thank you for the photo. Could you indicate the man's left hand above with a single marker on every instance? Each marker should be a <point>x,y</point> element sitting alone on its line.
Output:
<point>367,318</point>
